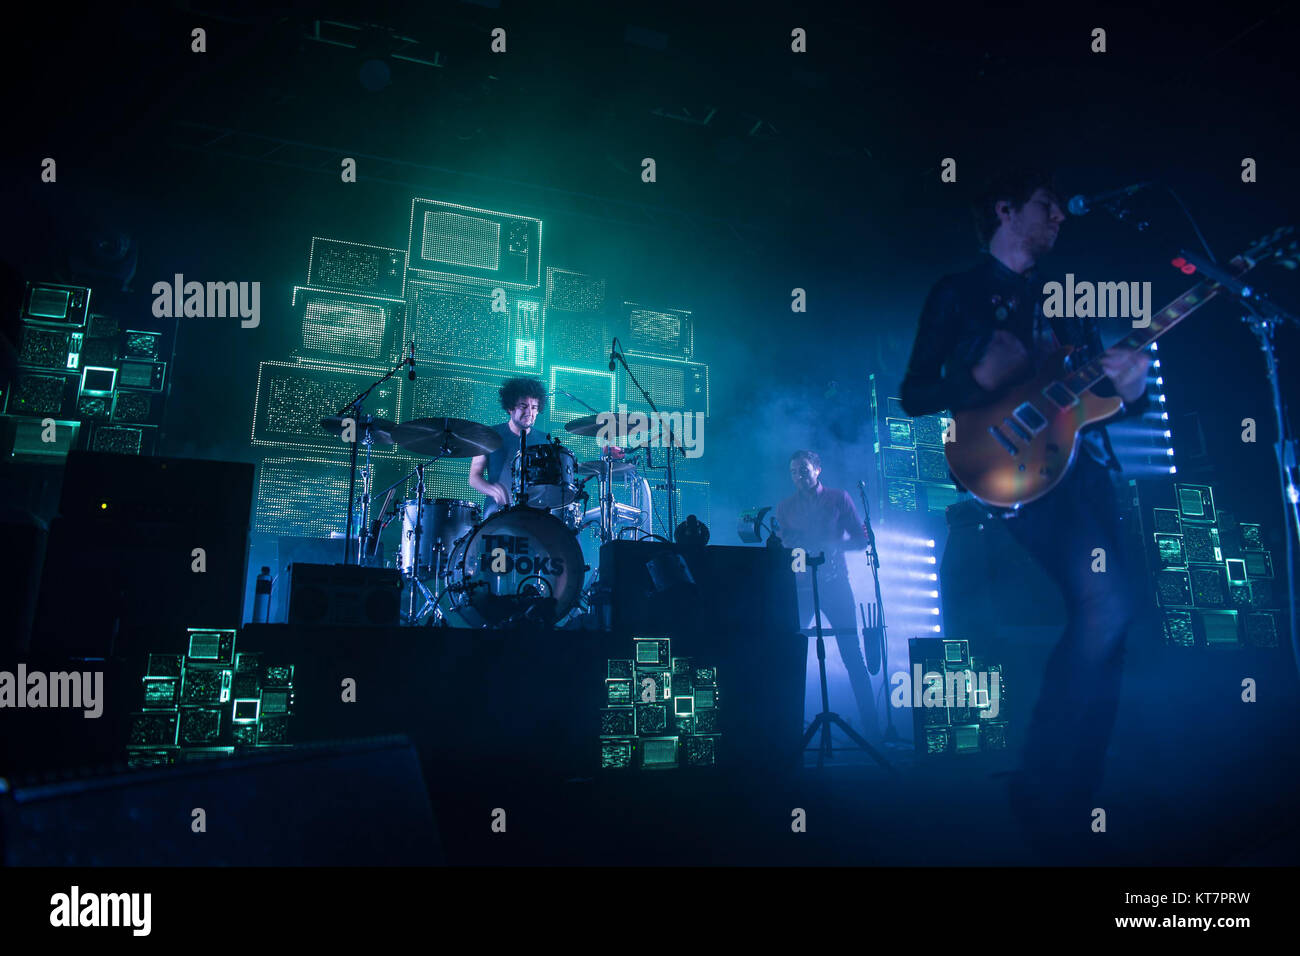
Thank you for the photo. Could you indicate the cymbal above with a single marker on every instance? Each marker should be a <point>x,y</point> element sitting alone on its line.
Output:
<point>462,438</point>
<point>591,425</point>
<point>381,429</point>
<point>597,467</point>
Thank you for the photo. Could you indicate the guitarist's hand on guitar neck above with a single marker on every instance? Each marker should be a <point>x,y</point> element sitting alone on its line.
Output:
<point>1004,359</point>
<point>1127,370</point>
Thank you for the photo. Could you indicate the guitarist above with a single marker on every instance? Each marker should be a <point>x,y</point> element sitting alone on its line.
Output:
<point>983,329</point>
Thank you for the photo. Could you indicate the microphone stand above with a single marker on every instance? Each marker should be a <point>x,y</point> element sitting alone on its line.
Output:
<point>824,720</point>
<point>877,625</point>
<point>1262,317</point>
<point>355,407</point>
<point>672,484</point>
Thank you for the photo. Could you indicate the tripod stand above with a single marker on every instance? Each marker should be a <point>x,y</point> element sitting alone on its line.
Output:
<point>827,717</point>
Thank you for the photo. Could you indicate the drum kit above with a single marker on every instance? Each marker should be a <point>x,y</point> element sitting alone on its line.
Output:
<point>521,562</point>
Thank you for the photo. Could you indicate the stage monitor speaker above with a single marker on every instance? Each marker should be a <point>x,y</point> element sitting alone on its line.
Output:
<point>360,803</point>
<point>142,549</point>
<point>344,595</point>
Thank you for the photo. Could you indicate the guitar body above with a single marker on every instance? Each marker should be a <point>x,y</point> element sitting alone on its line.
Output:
<point>1019,447</point>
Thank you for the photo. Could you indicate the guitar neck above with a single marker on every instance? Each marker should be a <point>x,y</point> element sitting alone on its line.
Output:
<point>1086,376</point>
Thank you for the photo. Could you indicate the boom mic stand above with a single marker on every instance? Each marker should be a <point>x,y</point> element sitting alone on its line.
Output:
<point>1263,316</point>
<point>827,717</point>
<point>671,486</point>
<point>354,407</point>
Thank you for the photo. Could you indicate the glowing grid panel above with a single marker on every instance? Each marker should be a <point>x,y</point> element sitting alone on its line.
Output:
<point>448,478</point>
<point>674,385</point>
<point>573,291</point>
<point>44,348</point>
<point>478,245</point>
<point>344,328</point>
<point>527,345</point>
<point>292,399</point>
<point>38,395</point>
<point>455,325</point>
<point>306,497</point>
<point>29,435</point>
<point>461,240</point>
<point>356,267</point>
<point>576,337</point>
<point>120,439</point>
<point>596,388</point>
<point>444,391</point>
<point>667,332</point>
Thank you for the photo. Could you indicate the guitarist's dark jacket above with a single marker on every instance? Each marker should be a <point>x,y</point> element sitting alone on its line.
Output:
<point>959,318</point>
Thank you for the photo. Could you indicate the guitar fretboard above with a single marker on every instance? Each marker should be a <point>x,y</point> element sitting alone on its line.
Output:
<point>1086,376</point>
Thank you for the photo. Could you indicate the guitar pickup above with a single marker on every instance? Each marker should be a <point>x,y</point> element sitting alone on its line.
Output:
<point>1003,440</point>
<point>1030,418</point>
<point>1017,429</point>
<point>1061,395</point>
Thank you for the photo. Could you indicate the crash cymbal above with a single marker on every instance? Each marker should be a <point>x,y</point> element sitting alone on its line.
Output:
<point>591,425</point>
<point>449,437</point>
<point>597,467</point>
<point>381,429</point>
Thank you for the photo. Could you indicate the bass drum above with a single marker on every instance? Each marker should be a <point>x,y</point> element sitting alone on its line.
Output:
<point>511,562</point>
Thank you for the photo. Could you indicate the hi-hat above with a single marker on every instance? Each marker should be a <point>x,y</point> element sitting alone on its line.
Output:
<point>448,437</point>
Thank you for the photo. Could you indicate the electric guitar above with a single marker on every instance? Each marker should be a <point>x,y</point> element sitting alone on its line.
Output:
<point>1019,447</point>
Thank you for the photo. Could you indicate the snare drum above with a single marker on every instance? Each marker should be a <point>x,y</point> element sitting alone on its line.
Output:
<point>548,475</point>
<point>444,521</point>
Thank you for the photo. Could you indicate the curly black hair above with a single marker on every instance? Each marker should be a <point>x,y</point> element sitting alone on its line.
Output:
<point>1013,186</point>
<point>809,456</point>
<point>515,389</point>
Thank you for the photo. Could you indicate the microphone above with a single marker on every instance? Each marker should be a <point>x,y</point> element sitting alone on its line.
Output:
<point>410,363</point>
<point>612,352</point>
<point>1082,205</point>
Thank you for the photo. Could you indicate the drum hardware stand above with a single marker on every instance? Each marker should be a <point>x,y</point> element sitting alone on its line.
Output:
<point>414,570</point>
<point>824,720</point>
<point>607,498</point>
<point>521,496</point>
<point>876,627</point>
<point>354,407</point>
<point>671,486</point>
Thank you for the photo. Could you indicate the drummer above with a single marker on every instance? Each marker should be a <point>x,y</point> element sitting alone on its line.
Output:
<point>523,399</point>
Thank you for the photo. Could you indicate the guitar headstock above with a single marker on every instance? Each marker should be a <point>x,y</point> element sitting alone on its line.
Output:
<point>1279,245</point>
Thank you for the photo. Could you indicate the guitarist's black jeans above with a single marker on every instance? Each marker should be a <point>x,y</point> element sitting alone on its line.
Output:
<point>1065,752</point>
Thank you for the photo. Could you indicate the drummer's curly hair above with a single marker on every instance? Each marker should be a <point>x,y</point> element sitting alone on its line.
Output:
<point>516,388</point>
